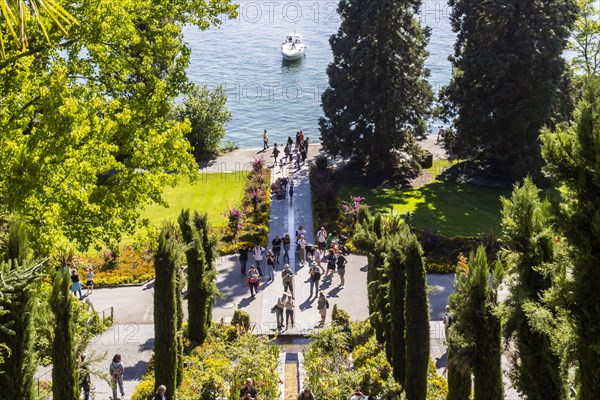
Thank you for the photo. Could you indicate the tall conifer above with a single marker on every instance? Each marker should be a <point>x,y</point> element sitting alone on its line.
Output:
<point>377,94</point>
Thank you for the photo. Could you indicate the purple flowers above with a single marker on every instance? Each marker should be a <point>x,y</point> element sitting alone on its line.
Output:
<point>235,216</point>
<point>350,210</point>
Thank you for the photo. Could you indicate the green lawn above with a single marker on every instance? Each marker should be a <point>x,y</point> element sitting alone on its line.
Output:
<point>448,207</point>
<point>212,193</point>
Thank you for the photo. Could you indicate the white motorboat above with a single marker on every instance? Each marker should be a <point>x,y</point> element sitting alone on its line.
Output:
<point>293,48</point>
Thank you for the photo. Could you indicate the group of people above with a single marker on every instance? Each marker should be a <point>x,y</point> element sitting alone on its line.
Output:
<point>294,151</point>
<point>76,285</point>
<point>329,249</point>
<point>250,392</point>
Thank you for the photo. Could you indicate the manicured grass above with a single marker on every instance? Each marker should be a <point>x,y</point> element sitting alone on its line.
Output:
<point>448,207</point>
<point>212,193</point>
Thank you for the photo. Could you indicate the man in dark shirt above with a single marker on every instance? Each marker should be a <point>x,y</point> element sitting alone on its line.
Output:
<point>249,391</point>
<point>243,258</point>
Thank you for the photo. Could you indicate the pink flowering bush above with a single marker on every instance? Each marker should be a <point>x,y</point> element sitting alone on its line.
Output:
<point>349,211</point>
<point>235,217</point>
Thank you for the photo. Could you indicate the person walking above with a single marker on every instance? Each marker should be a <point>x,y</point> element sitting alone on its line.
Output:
<point>287,277</point>
<point>253,280</point>
<point>271,265</point>
<point>275,153</point>
<point>321,238</point>
<point>301,251</point>
<point>276,243</point>
<point>160,393</point>
<point>279,307</point>
<point>289,312</point>
<point>243,258</point>
<point>116,371</point>
<point>315,278</point>
<point>447,321</point>
<point>286,248</point>
<point>76,283</point>
<point>89,282</point>
<point>317,259</point>
<point>341,269</point>
<point>331,262</point>
<point>286,152</point>
<point>297,139</point>
<point>257,253</point>
<point>249,391</point>
<point>265,140</point>
<point>322,306</point>
<point>298,158</point>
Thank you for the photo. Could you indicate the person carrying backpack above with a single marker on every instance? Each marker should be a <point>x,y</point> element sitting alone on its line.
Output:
<point>116,371</point>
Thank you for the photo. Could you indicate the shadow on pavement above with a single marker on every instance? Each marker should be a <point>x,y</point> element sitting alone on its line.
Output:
<point>147,345</point>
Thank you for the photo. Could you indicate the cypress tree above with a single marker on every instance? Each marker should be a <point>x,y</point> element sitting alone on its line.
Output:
<point>571,155</point>
<point>460,340</point>
<point>485,326</point>
<point>417,321</point>
<point>166,348</point>
<point>459,379</point>
<point>64,367</point>
<point>19,285</point>
<point>209,288</point>
<point>196,265</point>
<point>377,89</point>
<point>397,290</point>
<point>508,68</point>
<point>528,248</point>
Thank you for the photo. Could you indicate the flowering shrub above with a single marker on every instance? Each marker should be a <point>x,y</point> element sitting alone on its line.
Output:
<point>258,164</point>
<point>219,367</point>
<point>256,204</point>
<point>131,266</point>
<point>337,360</point>
<point>349,212</point>
<point>235,216</point>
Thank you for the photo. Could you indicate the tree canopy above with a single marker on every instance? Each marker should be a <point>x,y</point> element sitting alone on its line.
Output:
<point>377,91</point>
<point>86,132</point>
<point>507,71</point>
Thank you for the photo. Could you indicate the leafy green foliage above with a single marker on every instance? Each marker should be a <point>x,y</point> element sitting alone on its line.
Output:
<point>529,253</point>
<point>377,91</point>
<point>507,71</point>
<point>585,40</point>
<point>202,274</point>
<point>64,368</point>
<point>474,341</point>
<point>167,262</point>
<point>416,316</point>
<point>18,287</point>
<point>87,137</point>
<point>206,112</point>
<point>571,156</point>
<point>218,368</point>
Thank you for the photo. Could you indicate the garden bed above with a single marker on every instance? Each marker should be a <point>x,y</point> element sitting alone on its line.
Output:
<point>130,266</point>
<point>248,223</point>
<point>218,368</point>
<point>346,355</point>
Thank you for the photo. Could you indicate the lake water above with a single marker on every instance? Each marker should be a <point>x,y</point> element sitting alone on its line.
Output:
<point>264,92</point>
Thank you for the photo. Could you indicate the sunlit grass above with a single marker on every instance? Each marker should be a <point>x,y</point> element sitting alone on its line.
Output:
<point>445,206</point>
